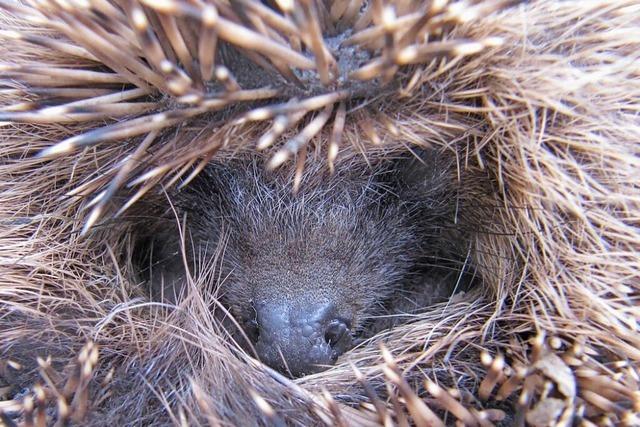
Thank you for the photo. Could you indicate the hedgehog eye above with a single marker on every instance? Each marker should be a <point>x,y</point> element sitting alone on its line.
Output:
<point>423,176</point>
<point>252,330</point>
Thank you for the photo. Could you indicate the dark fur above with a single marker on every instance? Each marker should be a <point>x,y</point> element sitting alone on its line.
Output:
<point>372,241</point>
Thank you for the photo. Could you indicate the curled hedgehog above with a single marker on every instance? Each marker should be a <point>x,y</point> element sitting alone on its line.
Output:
<point>319,212</point>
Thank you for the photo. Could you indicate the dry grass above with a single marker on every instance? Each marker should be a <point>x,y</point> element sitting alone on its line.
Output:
<point>543,97</point>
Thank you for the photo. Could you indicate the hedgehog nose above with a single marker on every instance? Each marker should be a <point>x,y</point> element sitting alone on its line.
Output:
<point>301,340</point>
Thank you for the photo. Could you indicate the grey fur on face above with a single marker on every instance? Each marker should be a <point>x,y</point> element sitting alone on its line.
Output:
<point>305,273</point>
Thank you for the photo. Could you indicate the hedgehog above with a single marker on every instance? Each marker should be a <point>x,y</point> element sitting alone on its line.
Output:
<point>181,179</point>
<point>309,274</point>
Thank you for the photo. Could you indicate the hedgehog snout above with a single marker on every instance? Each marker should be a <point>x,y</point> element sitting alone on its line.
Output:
<point>301,340</point>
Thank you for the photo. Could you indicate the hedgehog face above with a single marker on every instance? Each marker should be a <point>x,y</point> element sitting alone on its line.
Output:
<point>303,293</point>
<point>303,272</point>
<point>303,269</point>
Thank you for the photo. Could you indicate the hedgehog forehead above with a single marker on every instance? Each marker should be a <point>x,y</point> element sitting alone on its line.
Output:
<point>338,235</point>
<point>352,271</point>
<point>249,188</point>
<point>334,245</point>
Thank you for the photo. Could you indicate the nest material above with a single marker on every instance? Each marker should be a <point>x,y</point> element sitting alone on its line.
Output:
<point>131,95</point>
